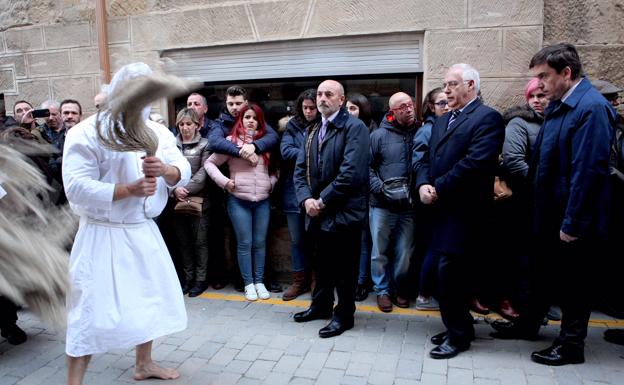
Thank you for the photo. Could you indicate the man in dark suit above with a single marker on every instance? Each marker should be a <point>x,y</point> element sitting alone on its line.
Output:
<point>570,191</point>
<point>331,183</point>
<point>456,178</point>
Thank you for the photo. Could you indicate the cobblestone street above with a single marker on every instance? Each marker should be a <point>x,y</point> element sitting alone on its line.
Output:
<point>231,341</point>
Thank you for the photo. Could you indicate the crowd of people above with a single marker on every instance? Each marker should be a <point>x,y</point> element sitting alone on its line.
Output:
<point>424,207</point>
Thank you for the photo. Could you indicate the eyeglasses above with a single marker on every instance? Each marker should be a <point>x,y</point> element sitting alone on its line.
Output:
<point>441,103</point>
<point>453,84</point>
<point>404,107</point>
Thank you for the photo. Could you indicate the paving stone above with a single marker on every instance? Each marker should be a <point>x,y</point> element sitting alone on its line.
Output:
<point>249,353</point>
<point>540,380</point>
<point>260,369</point>
<point>314,360</point>
<point>271,354</point>
<point>351,380</point>
<point>330,377</point>
<point>238,366</point>
<point>386,363</point>
<point>277,379</point>
<point>433,379</point>
<point>457,376</point>
<point>301,381</point>
<point>288,364</point>
<point>409,369</point>
<point>224,356</point>
<point>338,360</point>
<point>381,378</point>
<point>359,369</point>
<point>403,381</point>
<point>307,373</point>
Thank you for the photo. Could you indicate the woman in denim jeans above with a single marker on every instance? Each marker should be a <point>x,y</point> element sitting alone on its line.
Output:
<point>249,185</point>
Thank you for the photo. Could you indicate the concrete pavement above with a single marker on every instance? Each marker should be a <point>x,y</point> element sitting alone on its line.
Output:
<point>232,341</point>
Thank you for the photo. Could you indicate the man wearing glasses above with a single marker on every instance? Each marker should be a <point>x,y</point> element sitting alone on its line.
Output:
<point>392,216</point>
<point>456,179</point>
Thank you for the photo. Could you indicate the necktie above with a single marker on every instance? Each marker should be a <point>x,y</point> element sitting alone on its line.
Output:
<point>454,115</point>
<point>322,131</point>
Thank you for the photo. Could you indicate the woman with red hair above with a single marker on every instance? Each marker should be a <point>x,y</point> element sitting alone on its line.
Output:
<point>249,185</point>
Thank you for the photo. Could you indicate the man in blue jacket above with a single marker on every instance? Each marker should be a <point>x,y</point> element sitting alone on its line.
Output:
<point>331,182</point>
<point>456,178</point>
<point>570,171</point>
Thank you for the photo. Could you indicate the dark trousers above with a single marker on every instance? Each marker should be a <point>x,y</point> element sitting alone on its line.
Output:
<point>561,273</point>
<point>335,260</point>
<point>8,313</point>
<point>454,296</point>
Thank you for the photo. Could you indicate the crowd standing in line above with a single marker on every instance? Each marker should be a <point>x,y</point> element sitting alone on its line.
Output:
<point>356,198</point>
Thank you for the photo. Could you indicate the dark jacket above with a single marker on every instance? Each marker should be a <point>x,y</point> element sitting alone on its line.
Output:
<point>522,127</point>
<point>290,147</point>
<point>222,127</point>
<point>338,174</point>
<point>196,153</point>
<point>570,169</point>
<point>461,163</point>
<point>421,140</point>
<point>390,157</point>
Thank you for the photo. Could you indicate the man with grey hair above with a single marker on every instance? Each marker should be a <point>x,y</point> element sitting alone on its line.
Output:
<point>456,179</point>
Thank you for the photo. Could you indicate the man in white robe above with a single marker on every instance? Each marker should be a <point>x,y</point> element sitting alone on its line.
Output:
<point>124,288</point>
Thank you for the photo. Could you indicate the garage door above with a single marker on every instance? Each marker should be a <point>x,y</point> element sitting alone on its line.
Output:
<point>353,55</point>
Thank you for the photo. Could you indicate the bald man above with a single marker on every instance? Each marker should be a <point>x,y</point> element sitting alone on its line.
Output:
<point>391,216</point>
<point>331,183</point>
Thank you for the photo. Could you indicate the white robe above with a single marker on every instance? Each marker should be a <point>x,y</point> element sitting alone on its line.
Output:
<point>124,287</point>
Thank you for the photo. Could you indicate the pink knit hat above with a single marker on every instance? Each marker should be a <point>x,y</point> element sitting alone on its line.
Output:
<point>531,86</point>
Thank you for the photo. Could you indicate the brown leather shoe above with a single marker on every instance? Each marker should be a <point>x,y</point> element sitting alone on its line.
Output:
<point>297,288</point>
<point>507,311</point>
<point>401,302</point>
<point>478,307</point>
<point>384,303</point>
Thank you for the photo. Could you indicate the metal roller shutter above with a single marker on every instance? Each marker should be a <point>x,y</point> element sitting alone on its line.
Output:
<point>353,55</point>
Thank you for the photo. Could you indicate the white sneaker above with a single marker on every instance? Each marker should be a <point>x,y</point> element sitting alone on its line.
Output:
<point>262,291</point>
<point>250,292</point>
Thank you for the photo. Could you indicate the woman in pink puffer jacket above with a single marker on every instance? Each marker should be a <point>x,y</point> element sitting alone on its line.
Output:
<point>249,185</point>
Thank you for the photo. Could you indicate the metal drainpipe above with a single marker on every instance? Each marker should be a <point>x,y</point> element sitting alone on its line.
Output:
<point>102,32</point>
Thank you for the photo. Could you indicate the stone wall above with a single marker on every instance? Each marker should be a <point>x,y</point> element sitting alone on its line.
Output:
<point>48,49</point>
<point>596,28</point>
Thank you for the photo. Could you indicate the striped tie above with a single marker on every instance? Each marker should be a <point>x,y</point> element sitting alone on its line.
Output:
<point>454,115</point>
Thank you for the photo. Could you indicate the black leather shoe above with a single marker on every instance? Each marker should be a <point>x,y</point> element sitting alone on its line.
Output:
<point>199,288</point>
<point>558,355</point>
<point>506,330</point>
<point>335,328</point>
<point>447,350</point>
<point>186,288</point>
<point>311,314</point>
<point>439,338</point>
<point>615,336</point>
<point>361,292</point>
<point>14,335</point>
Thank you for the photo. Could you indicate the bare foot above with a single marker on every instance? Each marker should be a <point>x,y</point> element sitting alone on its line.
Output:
<point>152,370</point>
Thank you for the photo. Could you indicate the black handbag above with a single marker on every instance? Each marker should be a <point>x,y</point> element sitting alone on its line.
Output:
<point>397,191</point>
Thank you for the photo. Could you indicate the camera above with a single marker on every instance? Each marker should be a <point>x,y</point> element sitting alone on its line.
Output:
<point>42,113</point>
